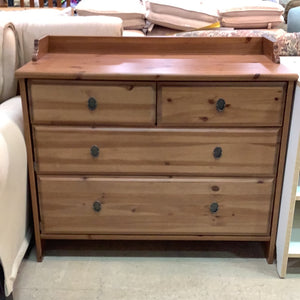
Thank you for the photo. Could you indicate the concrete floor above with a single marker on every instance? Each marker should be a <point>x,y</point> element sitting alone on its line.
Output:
<point>154,270</point>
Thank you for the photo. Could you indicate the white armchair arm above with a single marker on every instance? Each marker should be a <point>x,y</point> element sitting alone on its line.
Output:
<point>14,233</point>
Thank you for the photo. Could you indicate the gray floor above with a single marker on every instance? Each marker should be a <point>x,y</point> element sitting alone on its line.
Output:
<point>154,270</point>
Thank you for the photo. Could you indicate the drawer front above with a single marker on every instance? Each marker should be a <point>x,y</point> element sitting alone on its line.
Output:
<point>156,151</point>
<point>96,103</point>
<point>228,105</point>
<point>154,206</point>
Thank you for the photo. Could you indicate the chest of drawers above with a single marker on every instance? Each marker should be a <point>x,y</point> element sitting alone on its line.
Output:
<point>156,138</point>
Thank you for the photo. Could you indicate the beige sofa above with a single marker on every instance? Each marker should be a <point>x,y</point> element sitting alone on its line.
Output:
<point>17,33</point>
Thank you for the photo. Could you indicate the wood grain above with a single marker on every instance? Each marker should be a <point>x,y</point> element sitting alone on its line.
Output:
<point>270,49</point>
<point>157,45</point>
<point>155,206</point>
<point>40,48</point>
<point>156,237</point>
<point>156,58</point>
<point>31,172</point>
<point>156,151</point>
<point>156,67</point>
<point>117,103</point>
<point>247,178</point>
<point>195,105</point>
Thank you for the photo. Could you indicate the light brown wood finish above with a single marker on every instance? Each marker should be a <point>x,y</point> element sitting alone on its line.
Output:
<point>252,154</point>
<point>195,105</point>
<point>155,206</point>
<point>156,237</point>
<point>117,103</point>
<point>157,67</point>
<point>157,45</point>
<point>3,3</point>
<point>167,58</point>
<point>156,151</point>
<point>270,49</point>
<point>40,50</point>
<point>31,173</point>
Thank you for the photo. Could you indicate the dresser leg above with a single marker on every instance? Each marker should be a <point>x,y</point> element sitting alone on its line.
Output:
<point>270,252</point>
<point>39,249</point>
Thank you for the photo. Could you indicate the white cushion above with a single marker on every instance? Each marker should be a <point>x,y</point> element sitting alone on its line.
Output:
<point>181,15</point>
<point>176,22</point>
<point>133,33</point>
<point>29,30</point>
<point>240,8</point>
<point>192,9</point>
<point>13,191</point>
<point>249,13</point>
<point>132,12</point>
<point>252,21</point>
<point>8,60</point>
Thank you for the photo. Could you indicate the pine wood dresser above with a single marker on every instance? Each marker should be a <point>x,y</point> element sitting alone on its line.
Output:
<point>156,138</point>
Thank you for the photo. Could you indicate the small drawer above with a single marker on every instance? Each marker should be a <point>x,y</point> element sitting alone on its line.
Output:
<point>93,205</point>
<point>124,103</point>
<point>83,150</point>
<point>221,104</point>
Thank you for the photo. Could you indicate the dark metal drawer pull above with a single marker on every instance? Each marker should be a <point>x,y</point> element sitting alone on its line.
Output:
<point>220,105</point>
<point>92,103</point>
<point>214,207</point>
<point>97,206</point>
<point>217,152</point>
<point>95,151</point>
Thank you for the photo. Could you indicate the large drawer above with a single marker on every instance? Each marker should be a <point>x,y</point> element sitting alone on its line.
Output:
<point>220,104</point>
<point>109,103</point>
<point>155,206</point>
<point>156,151</point>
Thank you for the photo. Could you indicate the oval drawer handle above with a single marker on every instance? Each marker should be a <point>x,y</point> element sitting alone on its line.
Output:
<point>94,151</point>
<point>97,206</point>
<point>220,105</point>
<point>217,152</point>
<point>214,207</point>
<point>92,103</point>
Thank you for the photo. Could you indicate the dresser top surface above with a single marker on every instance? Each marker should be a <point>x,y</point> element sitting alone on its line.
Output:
<point>156,59</point>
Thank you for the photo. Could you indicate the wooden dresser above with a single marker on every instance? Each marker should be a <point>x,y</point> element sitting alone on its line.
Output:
<point>156,138</point>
